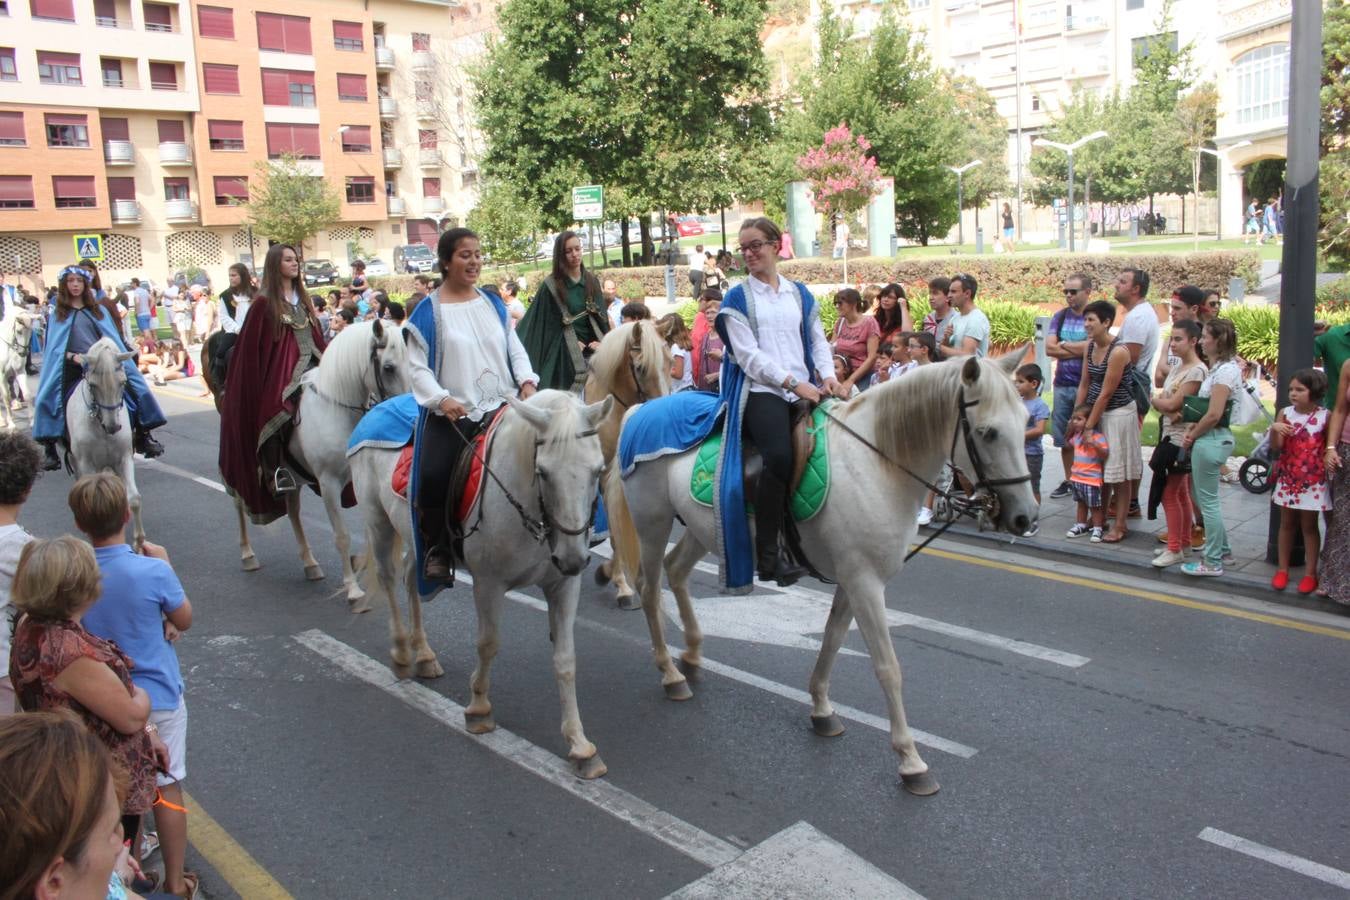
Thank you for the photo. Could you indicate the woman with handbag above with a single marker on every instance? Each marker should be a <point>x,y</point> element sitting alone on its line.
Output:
<point>1183,381</point>
<point>1106,386</point>
<point>1209,441</point>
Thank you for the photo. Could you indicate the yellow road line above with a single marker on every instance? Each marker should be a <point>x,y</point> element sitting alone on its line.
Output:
<point>207,401</point>
<point>1325,631</point>
<point>235,864</point>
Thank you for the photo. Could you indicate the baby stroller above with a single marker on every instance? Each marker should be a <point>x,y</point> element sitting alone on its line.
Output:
<point>1254,474</point>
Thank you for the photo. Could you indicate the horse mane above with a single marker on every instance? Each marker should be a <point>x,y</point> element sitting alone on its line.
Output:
<point>612,356</point>
<point>914,412</point>
<point>340,374</point>
<point>564,428</point>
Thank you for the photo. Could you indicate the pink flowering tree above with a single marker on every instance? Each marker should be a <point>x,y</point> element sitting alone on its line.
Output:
<point>843,176</point>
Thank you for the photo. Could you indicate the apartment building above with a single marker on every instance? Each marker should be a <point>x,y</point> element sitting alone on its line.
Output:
<point>113,121</point>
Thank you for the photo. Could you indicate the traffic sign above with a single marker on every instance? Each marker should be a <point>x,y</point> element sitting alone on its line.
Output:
<point>89,246</point>
<point>588,203</point>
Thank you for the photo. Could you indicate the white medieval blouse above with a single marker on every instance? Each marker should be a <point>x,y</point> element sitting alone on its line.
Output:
<point>474,370</point>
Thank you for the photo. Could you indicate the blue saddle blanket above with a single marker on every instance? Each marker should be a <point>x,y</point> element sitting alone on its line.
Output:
<point>388,425</point>
<point>667,425</point>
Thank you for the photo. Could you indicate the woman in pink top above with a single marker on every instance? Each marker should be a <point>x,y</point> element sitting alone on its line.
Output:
<point>1335,575</point>
<point>856,337</point>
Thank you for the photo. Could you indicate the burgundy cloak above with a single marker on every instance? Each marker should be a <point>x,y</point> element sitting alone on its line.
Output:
<point>260,371</point>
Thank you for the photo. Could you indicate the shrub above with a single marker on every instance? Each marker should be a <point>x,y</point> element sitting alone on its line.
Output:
<point>1258,329</point>
<point>688,311</point>
<point>1010,324</point>
<point>1335,294</point>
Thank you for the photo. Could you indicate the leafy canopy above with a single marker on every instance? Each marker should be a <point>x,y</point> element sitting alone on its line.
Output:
<point>288,204</point>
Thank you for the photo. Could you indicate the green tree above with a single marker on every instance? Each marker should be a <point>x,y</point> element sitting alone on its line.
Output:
<point>288,204</point>
<point>986,138</point>
<point>505,223</point>
<point>1334,175</point>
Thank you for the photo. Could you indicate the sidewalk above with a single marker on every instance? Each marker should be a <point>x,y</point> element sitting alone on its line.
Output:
<point>1245,514</point>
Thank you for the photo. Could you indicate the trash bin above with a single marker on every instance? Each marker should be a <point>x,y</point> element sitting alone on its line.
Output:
<point>979,240</point>
<point>1237,289</point>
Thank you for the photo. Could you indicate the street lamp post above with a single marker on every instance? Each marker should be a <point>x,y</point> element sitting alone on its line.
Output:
<point>1069,150</point>
<point>961,197</point>
<point>1218,189</point>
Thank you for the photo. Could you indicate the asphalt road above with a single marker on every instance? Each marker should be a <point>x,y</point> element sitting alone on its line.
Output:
<point>1086,735</point>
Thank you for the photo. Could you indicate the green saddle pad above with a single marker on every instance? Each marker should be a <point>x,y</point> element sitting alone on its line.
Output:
<point>811,493</point>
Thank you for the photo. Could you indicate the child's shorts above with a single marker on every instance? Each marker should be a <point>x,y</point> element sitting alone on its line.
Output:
<point>1090,495</point>
<point>1034,463</point>
<point>172,725</point>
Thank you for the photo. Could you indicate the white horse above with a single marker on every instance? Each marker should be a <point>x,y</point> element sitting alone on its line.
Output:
<point>859,537</point>
<point>366,363</point>
<point>96,421</point>
<point>545,457</point>
<point>16,330</point>
<point>632,366</point>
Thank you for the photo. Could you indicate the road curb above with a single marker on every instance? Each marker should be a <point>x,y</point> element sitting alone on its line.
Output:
<point>1247,585</point>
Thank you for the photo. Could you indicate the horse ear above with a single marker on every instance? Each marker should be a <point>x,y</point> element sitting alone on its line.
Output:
<point>407,336</point>
<point>598,412</point>
<point>537,417</point>
<point>970,371</point>
<point>377,330</point>
<point>1009,362</point>
<point>123,357</point>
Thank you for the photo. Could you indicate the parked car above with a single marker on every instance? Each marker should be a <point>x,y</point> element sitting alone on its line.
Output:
<point>377,267</point>
<point>412,258</point>
<point>689,226</point>
<point>320,271</point>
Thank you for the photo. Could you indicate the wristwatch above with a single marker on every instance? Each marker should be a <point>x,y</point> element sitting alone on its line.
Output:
<point>791,383</point>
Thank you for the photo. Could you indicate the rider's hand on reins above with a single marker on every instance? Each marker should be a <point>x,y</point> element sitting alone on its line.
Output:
<point>452,408</point>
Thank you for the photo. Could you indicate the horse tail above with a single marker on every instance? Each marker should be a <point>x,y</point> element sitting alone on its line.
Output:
<point>623,536</point>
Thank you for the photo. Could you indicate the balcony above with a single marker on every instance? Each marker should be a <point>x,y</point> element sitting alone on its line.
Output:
<point>428,109</point>
<point>1088,68</point>
<point>180,211</point>
<point>119,153</point>
<point>397,208</point>
<point>388,108</point>
<point>125,211</point>
<point>1094,22</point>
<point>422,60</point>
<point>384,59</point>
<point>433,206</point>
<point>430,158</point>
<point>393,158</point>
<point>174,153</point>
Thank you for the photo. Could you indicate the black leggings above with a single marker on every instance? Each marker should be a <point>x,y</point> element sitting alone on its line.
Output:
<point>768,423</point>
<point>440,451</point>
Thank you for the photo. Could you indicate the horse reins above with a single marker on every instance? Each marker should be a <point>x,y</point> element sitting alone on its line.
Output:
<point>92,405</point>
<point>381,393</point>
<point>987,505</point>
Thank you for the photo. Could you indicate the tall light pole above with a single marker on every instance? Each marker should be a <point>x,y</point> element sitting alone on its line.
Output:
<point>1218,189</point>
<point>961,197</point>
<point>1069,150</point>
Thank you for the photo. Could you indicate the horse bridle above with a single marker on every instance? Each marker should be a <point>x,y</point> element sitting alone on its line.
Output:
<point>381,392</point>
<point>93,406</point>
<point>985,505</point>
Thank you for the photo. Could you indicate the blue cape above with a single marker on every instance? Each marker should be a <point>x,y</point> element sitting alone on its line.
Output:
<point>49,409</point>
<point>676,423</point>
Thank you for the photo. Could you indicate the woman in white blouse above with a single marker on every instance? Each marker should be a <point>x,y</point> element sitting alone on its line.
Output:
<point>777,353</point>
<point>466,359</point>
<point>1210,442</point>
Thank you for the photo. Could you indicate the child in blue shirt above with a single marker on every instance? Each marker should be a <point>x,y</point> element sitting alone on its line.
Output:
<point>142,608</point>
<point>1028,381</point>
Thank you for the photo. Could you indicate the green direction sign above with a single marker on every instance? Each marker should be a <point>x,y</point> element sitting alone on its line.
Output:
<point>588,203</point>
<point>89,246</point>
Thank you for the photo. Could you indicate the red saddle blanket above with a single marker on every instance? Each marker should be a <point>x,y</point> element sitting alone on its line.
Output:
<point>473,484</point>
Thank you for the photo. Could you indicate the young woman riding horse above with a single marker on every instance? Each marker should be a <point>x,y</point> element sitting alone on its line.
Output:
<point>279,342</point>
<point>465,359</point>
<point>77,323</point>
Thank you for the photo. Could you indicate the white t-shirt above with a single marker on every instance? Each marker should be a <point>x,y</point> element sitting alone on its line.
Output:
<point>234,323</point>
<point>1226,373</point>
<point>12,540</point>
<point>841,236</point>
<point>974,324</point>
<point>474,368</point>
<point>687,379</point>
<point>1141,327</point>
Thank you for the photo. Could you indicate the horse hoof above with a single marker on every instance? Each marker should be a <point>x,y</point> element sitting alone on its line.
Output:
<point>250,563</point>
<point>827,726</point>
<point>359,605</point>
<point>313,573</point>
<point>430,668</point>
<point>679,690</point>
<point>629,601</point>
<point>601,575</point>
<point>922,784</point>
<point>692,671</point>
<point>479,723</point>
<point>589,769</point>
<point>402,671</point>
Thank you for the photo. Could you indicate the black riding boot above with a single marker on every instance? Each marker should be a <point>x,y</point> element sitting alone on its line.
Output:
<point>773,561</point>
<point>279,479</point>
<point>51,461</point>
<point>436,564</point>
<point>143,443</point>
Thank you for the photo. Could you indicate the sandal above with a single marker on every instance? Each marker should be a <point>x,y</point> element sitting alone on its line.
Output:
<point>191,881</point>
<point>1114,537</point>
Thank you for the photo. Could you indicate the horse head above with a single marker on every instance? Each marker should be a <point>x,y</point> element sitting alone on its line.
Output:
<point>105,380</point>
<point>567,464</point>
<point>990,443</point>
<point>632,365</point>
<point>388,374</point>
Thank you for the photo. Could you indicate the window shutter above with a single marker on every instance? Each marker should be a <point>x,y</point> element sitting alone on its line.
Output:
<point>271,34</point>
<point>351,86</point>
<point>306,139</point>
<point>115,129</point>
<point>276,87</point>
<point>229,187</point>
<point>163,76</point>
<point>170,131</point>
<point>121,188</point>
<point>296,30</point>
<point>215,22</point>
<point>431,187</point>
<point>11,128</point>
<point>158,14</point>
<point>73,186</point>
<point>177,189</point>
<point>219,79</point>
<point>222,130</point>
<point>48,58</point>
<point>426,138</point>
<point>16,188</point>
<point>66,119</point>
<point>105,11</point>
<point>53,9</point>
<point>349,31</point>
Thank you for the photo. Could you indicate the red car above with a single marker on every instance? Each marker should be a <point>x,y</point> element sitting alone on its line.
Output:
<point>688,226</point>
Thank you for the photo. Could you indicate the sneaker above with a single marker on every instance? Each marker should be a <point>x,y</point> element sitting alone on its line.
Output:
<point>1064,490</point>
<point>1096,536</point>
<point>1035,530</point>
<point>149,844</point>
<point>1078,530</point>
<point>925,515</point>
<point>1201,568</point>
<point>1135,512</point>
<point>1162,536</point>
<point>1228,558</point>
<point>1168,558</point>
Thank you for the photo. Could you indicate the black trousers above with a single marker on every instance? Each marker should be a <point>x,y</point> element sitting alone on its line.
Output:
<point>444,441</point>
<point>768,423</point>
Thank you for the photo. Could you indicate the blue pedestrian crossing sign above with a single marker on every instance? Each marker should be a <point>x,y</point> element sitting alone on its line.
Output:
<point>89,246</point>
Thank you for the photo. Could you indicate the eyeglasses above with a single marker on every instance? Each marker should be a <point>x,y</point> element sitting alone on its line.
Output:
<point>1215,304</point>
<point>755,246</point>
<point>1069,292</point>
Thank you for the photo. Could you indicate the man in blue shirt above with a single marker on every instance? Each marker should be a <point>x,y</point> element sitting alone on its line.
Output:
<point>1066,343</point>
<point>142,609</point>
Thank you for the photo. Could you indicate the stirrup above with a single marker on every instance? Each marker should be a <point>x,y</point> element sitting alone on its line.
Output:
<point>436,565</point>
<point>283,482</point>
